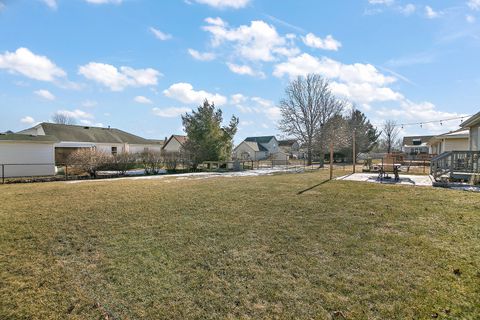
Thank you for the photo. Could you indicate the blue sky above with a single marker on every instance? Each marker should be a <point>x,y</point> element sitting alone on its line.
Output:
<point>137,64</point>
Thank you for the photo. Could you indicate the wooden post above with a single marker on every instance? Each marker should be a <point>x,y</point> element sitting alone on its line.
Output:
<point>331,160</point>
<point>354,151</point>
<point>3,174</point>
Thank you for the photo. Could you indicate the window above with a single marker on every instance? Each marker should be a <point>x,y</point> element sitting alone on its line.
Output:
<point>145,149</point>
<point>114,151</point>
<point>417,142</point>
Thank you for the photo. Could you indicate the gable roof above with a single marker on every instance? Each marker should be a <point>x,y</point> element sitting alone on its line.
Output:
<point>262,139</point>
<point>408,141</point>
<point>74,133</point>
<point>179,138</point>
<point>287,143</point>
<point>255,146</point>
<point>456,134</point>
<point>26,137</point>
<point>473,120</point>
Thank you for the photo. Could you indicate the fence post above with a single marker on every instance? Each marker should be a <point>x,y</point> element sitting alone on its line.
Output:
<point>3,174</point>
<point>66,172</point>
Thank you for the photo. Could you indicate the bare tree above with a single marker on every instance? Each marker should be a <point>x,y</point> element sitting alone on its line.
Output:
<point>62,118</point>
<point>308,106</point>
<point>152,161</point>
<point>89,160</point>
<point>123,162</point>
<point>390,133</point>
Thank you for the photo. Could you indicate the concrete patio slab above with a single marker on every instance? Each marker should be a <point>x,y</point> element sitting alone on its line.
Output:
<point>412,180</point>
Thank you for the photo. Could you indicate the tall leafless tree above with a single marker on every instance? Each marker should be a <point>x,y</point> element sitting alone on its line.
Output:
<point>390,133</point>
<point>62,118</point>
<point>307,107</point>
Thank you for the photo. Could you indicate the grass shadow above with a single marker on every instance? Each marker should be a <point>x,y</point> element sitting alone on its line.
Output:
<point>313,187</point>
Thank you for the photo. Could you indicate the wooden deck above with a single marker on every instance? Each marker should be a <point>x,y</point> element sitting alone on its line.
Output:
<point>455,165</point>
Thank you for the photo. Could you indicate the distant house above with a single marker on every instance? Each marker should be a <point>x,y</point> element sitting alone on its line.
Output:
<point>256,148</point>
<point>473,126</point>
<point>290,147</point>
<point>414,145</point>
<point>72,137</point>
<point>457,140</point>
<point>26,155</point>
<point>174,144</point>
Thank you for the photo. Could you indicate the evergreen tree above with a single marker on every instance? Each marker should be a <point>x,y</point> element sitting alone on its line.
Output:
<point>366,135</point>
<point>207,139</point>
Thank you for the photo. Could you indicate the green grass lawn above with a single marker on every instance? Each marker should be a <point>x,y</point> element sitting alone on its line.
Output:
<point>238,248</point>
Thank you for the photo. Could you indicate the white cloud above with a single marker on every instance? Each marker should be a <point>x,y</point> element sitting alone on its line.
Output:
<point>237,98</point>
<point>170,112</point>
<point>221,4</point>
<point>142,99</point>
<point>104,1</point>
<point>89,103</point>
<point>256,105</point>
<point>364,92</point>
<point>356,73</point>
<point>76,114</point>
<point>424,111</point>
<point>432,14</point>
<point>268,108</point>
<point>27,120</point>
<point>119,79</point>
<point>474,4</point>
<point>362,83</point>
<point>385,2</point>
<point>245,70</point>
<point>258,41</point>
<point>160,35</point>
<point>45,94</point>
<point>185,93</point>
<point>33,66</point>
<point>329,43</point>
<point>52,4</point>
<point>202,56</point>
<point>408,9</point>
<point>470,18</point>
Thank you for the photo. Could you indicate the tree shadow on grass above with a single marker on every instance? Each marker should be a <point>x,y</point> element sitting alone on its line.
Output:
<point>313,187</point>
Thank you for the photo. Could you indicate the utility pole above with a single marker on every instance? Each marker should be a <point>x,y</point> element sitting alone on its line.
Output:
<point>354,153</point>
<point>331,160</point>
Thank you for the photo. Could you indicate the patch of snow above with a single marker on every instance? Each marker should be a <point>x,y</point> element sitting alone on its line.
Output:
<point>202,175</point>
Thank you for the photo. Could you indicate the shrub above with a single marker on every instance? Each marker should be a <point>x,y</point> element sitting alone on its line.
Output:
<point>90,160</point>
<point>152,161</point>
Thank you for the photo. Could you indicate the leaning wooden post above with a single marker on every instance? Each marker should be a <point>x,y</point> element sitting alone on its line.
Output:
<point>331,160</point>
<point>354,151</point>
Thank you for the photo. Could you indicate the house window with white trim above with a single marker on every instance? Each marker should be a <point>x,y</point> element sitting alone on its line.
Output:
<point>114,151</point>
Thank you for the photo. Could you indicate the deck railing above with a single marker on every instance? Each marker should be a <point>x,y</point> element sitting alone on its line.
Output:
<point>454,163</point>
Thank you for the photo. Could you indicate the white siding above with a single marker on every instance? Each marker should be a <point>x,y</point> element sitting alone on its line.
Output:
<point>455,145</point>
<point>40,158</point>
<point>475,138</point>
<point>139,148</point>
<point>173,146</point>
<point>244,152</point>
<point>272,146</point>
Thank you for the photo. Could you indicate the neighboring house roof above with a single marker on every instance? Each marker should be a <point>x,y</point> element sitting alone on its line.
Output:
<point>286,143</point>
<point>263,139</point>
<point>26,137</point>
<point>457,134</point>
<point>255,146</point>
<point>74,133</point>
<point>159,142</point>
<point>179,138</point>
<point>473,120</point>
<point>408,141</point>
